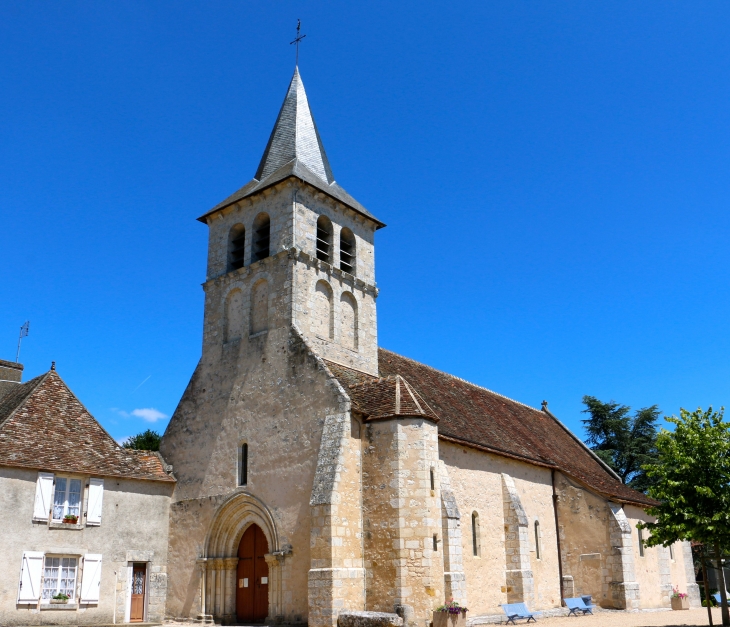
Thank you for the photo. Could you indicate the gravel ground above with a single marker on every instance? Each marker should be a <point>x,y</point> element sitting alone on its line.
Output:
<point>607,618</point>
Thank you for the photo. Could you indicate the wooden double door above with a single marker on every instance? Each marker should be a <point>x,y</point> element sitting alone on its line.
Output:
<point>252,585</point>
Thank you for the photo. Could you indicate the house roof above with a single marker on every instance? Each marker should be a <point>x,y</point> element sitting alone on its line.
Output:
<point>295,149</point>
<point>476,417</point>
<point>44,426</point>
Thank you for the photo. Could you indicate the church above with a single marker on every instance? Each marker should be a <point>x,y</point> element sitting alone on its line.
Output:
<point>319,473</point>
<point>307,472</point>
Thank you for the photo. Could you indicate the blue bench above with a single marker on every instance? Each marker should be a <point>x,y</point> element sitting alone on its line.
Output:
<point>578,605</point>
<point>515,611</point>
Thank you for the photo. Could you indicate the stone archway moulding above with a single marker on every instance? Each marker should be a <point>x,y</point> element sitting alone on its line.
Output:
<point>233,517</point>
<point>218,567</point>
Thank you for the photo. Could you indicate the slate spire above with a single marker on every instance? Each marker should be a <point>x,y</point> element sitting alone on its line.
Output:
<point>295,137</point>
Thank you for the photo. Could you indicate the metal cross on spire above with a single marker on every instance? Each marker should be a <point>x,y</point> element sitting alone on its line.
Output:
<point>298,39</point>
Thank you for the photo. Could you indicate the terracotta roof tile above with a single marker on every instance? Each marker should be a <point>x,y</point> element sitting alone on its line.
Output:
<point>477,417</point>
<point>388,397</point>
<point>43,425</point>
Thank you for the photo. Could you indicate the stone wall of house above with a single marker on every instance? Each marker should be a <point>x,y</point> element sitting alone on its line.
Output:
<point>506,566</point>
<point>133,528</point>
<point>402,518</point>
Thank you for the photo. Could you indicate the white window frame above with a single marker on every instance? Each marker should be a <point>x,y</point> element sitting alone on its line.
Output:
<point>73,600</point>
<point>68,479</point>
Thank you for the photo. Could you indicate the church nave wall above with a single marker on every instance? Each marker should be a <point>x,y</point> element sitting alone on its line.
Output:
<point>478,485</point>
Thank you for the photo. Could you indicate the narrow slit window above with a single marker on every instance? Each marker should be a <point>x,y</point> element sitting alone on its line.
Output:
<point>243,465</point>
<point>347,251</point>
<point>671,552</point>
<point>538,545</point>
<point>641,541</point>
<point>236,247</point>
<point>324,239</point>
<point>475,534</point>
<point>261,236</point>
<point>435,542</point>
<point>433,479</point>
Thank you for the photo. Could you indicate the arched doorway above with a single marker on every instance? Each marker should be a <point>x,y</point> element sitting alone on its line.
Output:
<point>252,589</point>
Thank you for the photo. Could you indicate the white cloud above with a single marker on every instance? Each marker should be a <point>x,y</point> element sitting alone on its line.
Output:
<point>121,412</point>
<point>149,414</point>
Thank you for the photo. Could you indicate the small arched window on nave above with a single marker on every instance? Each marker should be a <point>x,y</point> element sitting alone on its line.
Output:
<point>261,236</point>
<point>243,464</point>
<point>348,258</point>
<point>236,247</point>
<point>476,549</point>
<point>538,540</point>
<point>324,239</point>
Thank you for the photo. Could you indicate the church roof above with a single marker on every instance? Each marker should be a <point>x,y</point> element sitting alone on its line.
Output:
<point>389,397</point>
<point>295,149</point>
<point>44,426</point>
<point>479,418</point>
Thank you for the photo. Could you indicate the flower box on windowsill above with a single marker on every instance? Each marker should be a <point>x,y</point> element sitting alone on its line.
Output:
<point>59,601</point>
<point>71,520</point>
<point>59,524</point>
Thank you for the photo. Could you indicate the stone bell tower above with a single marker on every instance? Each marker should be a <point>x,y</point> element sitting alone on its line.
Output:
<point>292,247</point>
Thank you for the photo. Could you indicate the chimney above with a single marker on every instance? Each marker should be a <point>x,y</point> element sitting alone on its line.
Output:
<point>11,375</point>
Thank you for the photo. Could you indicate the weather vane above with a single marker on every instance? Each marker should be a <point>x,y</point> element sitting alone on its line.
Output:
<point>298,39</point>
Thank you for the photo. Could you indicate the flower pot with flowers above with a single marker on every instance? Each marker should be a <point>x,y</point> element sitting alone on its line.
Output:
<point>680,600</point>
<point>450,614</point>
<point>71,519</point>
<point>59,599</point>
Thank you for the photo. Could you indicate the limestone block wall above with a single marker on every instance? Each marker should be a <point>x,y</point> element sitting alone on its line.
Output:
<point>134,528</point>
<point>453,543</point>
<point>657,572</point>
<point>477,484</point>
<point>337,575</point>
<point>402,518</point>
<point>271,392</point>
<point>597,553</point>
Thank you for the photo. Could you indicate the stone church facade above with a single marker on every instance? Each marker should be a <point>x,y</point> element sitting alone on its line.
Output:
<point>306,472</point>
<point>372,482</point>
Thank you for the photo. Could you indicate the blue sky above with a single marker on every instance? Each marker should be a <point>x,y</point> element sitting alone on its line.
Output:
<point>554,176</point>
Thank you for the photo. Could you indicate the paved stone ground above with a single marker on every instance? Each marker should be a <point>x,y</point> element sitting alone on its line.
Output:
<point>607,618</point>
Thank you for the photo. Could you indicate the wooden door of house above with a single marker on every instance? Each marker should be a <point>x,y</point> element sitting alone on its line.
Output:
<point>252,589</point>
<point>139,584</point>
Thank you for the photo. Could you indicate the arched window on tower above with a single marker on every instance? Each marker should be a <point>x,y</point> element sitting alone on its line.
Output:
<point>348,321</point>
<point>347,251</point>
<point>236,241</point>
<point>476,549</point>
<point>538,540</point>
<point>234,315</point>
<point>324,239</point>
<point>323,319</point>
<point>261,233</point>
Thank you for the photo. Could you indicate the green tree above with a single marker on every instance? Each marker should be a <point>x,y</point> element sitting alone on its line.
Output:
<point>626,443</point>
<point>691,481</point>
<point>146,441</point>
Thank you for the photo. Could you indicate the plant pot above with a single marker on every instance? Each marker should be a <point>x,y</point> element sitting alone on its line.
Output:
<point>59,601</point>
<point>71,521</point>
<point>446,619</point>
<point>679,604</point>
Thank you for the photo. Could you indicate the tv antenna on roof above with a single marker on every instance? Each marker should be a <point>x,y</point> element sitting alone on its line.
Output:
<point>23,333</point>
<point>298,39</point>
